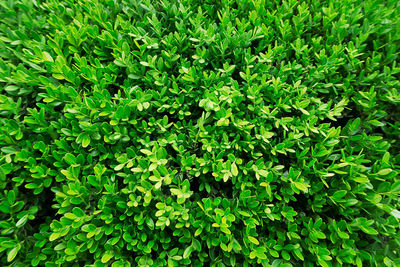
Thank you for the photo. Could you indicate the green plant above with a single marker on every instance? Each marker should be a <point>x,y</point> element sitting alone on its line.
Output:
<point>215,133</point>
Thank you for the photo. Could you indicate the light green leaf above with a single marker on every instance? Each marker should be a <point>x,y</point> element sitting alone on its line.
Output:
<point>146,151</point>
<point>187,252</point>
<point>85,140</point>
<point>12,253</point>
<point>234,169</point>
<point>54,236</point>
<point>106,257</point>
<point>301,186</point>
<point>384,172</point>
<point>253,240</point>
<point>395,213</point>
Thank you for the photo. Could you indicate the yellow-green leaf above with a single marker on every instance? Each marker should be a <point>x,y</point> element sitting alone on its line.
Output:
<point>12,253</point>
<point>253,240</point>
<point>234,169</point>
<point>106,257</point>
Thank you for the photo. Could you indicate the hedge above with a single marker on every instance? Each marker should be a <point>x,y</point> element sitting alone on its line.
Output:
<point>199,133</point>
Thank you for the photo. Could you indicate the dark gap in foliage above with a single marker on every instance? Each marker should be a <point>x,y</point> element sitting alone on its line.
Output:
<point>58,108</point>
<point>195,187</point>
<point>332,212</point>
<point>284,160</point>
<point>224,188</point>
<point>301,204</point>
<point>46,199</point>
<point>30,102</point>
<point>236,76</point>
<point>340,122</point>
<point>378,130</point>
<point>255,46</point>
<point>116,86</point>
<point>202,193</point>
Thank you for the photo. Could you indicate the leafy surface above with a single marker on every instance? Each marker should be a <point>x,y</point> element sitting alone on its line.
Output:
<point>201,133</point>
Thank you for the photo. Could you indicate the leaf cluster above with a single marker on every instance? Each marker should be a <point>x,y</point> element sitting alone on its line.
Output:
<point>199,133</point>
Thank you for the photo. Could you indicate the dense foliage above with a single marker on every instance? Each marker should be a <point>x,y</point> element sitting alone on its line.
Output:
<point>222,133</point>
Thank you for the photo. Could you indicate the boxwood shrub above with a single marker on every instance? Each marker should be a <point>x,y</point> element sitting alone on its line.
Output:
<point>199,133</point>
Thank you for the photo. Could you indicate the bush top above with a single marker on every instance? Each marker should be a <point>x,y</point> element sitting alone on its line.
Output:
<point>215,133</point>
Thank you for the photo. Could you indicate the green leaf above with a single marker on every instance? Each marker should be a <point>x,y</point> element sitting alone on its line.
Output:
<point>261,255</point>
<point>187,252</point>
<point>338,195</point>
<point>301,186</point>
<point>9,150</point>
<point>244,213</point>
<point>70,159</point>
<point>54,236</point>
<point>298,253</point>
<point>2,174</point>
<point>119,167</point>
<point>21,222</point>
<point>225,230</point>
<point>11,197</point>
<point>253,240</point>
<point>234,169</point>
<point>384,172</point>
<point>395,213</point>
<point>60,246</point>
<point>274,253</point>
<point>395,187</point>
<point>78,212</point>
<point>11,88</point>
<point>85,140</point>
<point>106,257</point>
<point>146,152</point>
<point>368,230</point>
<point>31,186</point>
<point>12,253</point>
<point>198,231</point>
